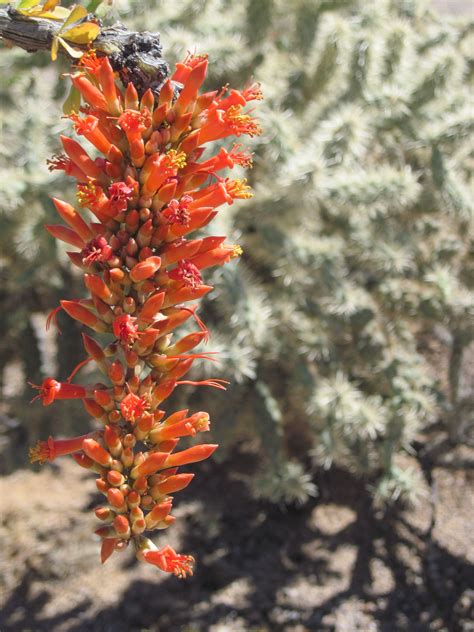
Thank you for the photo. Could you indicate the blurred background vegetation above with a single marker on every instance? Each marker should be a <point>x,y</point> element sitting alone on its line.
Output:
<point>347,328</point>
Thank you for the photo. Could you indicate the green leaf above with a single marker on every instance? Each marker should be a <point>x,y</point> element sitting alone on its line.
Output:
<point>38,11</point>
<point>73,101</point>
<point>76,14</point>
<point>73,52</point>
<point>103,9</point>
<point>58,13</point>
<point>82,33</point>
<point>27,4</point>
<point>92,6</point>
<point>54,49</point>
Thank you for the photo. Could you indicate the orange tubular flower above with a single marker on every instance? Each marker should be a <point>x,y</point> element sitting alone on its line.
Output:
<point>191,86</point>
<point>63,163</point>
<point>183,69</point>
<point>148,189</point>
<point>171,562</point>
<point>69,214</point>
<point>223,160</point>
<point>184,428</point>
<point>50,449</point>
<point>51,390</point>
<point>89,128</point>
<point>216,256</point>
<point>231,122</point>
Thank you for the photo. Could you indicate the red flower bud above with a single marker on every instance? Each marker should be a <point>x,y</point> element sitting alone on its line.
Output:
<point>107,82</point>
<point>96,452</point>
<point>69,214</point>
<point>91,94</point>
<point>145,269</point>
<point>150,465</point>
<point>115,478</point>
<point>174,484</point>
<point>191,455</point>
<point>81,158</point>
<point>93,408</point>
<point>115,498</point>
<point>63,233</point>
<point>83,315</point>
<point>107,548</point>
<point>104,513</point>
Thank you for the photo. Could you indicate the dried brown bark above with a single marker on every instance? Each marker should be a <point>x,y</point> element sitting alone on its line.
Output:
<point>134,55</point>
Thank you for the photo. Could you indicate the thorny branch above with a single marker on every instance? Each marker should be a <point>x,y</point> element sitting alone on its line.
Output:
<point>134,55</point>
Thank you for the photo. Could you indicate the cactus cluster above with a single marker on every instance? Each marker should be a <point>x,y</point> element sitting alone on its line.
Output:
<point>358,240</point>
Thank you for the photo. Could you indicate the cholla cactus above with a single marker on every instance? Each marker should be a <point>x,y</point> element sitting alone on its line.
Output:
<point>147,191</point>
<point>358,238</point>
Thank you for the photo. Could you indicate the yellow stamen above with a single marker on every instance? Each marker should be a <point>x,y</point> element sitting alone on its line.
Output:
<point>240,189</point>
<point>41,452</point>
<point>176,159</point>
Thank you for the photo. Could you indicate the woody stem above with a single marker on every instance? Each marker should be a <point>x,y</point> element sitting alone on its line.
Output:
<point>136,56</point>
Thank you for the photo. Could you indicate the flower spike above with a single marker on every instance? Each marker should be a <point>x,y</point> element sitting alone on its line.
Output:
<point>148,190</point>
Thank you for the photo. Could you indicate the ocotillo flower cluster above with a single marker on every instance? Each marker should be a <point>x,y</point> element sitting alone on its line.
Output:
<point>146,192</point>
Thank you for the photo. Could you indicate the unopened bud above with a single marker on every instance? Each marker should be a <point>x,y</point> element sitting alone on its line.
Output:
<point>102,485</point>
<point>139,526</point>
<point>115,498</point>
<point>147,501</point>
<point>151,465</point>
<point>114,416</point>
<point>83,460</point>
<point>112,440</point>
<point>93,408</point>
<point>129,305</point>
<point>103,398</point>
<point>122,526</point>
<point>106,532</point>
<point>140,485</point>
<point>117,465</point>
<point>133,499</point>
<point>96,452</point>
<point>129,441</point>
<point>127,457</point>
<point>115,478</point>
<point>117,373</point>
<point>104,513</point>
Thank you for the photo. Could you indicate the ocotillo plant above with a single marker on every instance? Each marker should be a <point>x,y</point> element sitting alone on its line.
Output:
<point>147,191</point>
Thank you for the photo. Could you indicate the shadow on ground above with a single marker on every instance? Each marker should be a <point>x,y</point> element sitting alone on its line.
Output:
<point>262,569</point>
